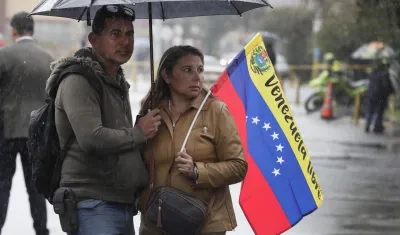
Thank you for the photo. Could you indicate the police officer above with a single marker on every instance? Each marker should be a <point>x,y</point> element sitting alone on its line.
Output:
<point>377,97</point>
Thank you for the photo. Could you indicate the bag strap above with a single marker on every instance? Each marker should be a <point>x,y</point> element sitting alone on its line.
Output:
<point>152,159</point>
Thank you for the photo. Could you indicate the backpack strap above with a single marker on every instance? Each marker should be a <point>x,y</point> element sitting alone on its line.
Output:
<point>95,83</point>
<point>86,72</point>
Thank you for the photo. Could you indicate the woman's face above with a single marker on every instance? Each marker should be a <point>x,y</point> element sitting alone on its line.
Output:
<point>186,78</point>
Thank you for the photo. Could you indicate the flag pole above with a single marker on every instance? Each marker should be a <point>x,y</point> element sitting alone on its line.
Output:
<point>194,120</point>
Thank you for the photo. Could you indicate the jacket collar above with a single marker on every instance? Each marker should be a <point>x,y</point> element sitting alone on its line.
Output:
<point>24,39</point>
<point>195,103</point>
<point>85,57</point>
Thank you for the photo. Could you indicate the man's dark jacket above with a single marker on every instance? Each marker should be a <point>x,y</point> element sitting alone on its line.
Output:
<point>24,68</point>
<point>104,161</point>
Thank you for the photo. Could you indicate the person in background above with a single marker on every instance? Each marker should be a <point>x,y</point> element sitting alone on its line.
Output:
<point>2,41</point>
<point>24,68</point>
<point>377,96</point>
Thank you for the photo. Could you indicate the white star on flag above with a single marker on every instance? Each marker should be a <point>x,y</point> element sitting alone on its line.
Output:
<point>275,135</point>
<point>279,147</point>
<point>255,120</point>
<point>276,172</point>
<point>280,160</point>
<point>267,126</point>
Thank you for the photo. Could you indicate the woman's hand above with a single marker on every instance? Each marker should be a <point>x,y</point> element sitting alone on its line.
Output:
<point>185,164</point>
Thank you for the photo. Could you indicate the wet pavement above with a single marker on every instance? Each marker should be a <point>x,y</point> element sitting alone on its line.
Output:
<point>359,174</point>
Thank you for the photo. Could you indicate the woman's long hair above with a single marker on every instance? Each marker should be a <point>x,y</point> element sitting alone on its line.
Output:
<point>169,59</point>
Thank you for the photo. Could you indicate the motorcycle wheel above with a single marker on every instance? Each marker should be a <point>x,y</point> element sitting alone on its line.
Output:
<point>314,102</point>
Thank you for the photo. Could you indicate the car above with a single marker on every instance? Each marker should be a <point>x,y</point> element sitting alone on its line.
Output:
<point>212,69</point>
<point>227,58</point>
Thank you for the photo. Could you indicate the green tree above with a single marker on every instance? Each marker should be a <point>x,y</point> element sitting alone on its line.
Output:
<point>294,27</point>
<point>347,25</point>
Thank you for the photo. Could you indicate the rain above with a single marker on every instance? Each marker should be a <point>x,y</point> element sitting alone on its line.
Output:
<point>326,56</point>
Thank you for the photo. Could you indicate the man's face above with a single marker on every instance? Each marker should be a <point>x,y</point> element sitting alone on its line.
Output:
<point>115,43</point>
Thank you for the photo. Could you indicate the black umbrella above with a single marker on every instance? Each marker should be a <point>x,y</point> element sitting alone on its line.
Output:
<point>148,9</point>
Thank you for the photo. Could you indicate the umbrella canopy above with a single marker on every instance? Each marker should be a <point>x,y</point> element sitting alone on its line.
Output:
<point>161,9</point>
<point>373,51</point>
<point>147,9</point>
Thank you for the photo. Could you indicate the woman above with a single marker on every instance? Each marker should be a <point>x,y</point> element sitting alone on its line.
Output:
<point>213,157</point>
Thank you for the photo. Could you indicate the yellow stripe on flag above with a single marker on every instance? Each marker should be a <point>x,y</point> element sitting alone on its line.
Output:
<point>264,78</point>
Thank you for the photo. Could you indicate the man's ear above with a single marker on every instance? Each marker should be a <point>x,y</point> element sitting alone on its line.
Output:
<point>164,75</point>
<point>92,37</point>
<point>14,33</point>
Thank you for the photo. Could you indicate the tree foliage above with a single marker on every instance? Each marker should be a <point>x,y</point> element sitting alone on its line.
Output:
<point>349,24</point>
<point>294,27</point>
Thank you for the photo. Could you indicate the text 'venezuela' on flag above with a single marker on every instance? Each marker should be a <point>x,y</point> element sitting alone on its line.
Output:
<point>280,187</point>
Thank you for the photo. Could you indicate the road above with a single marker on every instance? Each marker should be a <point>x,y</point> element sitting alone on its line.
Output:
<point>359,176</point>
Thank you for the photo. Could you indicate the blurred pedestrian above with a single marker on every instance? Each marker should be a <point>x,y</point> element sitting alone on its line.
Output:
<point>2,41</point>
<point>24,68</point>
<point>377,98</point>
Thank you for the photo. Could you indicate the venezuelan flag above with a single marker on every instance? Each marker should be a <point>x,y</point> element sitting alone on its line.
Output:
<point>280,187</point>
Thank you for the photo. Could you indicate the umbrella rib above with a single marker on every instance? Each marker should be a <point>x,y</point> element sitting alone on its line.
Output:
<point>266,3</point>
<point>236,9</point>
<point>83,12</point>
<point>58,2</point>
<point>88,12</point>
<point>162,11</point>
<point>40,4</point>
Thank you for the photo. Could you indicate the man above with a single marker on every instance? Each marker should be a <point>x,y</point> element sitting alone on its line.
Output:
<point>379,90</point>
<point>24,68</point>
<point>103,166</point>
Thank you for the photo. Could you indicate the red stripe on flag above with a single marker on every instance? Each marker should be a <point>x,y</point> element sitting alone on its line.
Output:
<point>257,200</point>
<point>259,204</point>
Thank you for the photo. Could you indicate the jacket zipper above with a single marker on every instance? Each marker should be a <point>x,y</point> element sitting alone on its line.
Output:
<point>187,199</point>
<point>159,213</point>
<point>173,139</point>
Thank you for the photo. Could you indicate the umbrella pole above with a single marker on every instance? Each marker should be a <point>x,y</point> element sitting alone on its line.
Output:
<point>151,56</point>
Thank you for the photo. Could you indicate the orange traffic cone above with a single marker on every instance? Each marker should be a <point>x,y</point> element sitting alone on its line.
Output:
<point>327,109</point>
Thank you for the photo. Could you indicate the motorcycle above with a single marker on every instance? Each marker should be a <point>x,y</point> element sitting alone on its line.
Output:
<point>344,91</point>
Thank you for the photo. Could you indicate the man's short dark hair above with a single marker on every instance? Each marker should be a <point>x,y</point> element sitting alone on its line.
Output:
<point>103,14</point>
<point>22,23</point>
